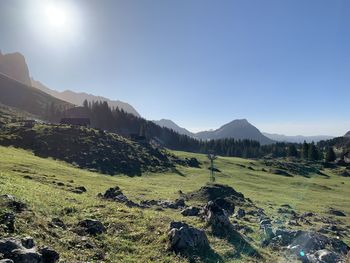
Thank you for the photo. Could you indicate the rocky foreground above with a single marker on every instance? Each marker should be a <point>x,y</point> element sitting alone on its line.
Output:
<point>226,214</point>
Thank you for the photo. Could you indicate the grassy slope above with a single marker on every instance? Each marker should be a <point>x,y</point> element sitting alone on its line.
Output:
<point>136,235</point>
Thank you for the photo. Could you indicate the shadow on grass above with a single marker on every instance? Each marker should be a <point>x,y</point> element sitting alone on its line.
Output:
<point>176,171</point>
<point>209,257</point>
<point>242,246</point>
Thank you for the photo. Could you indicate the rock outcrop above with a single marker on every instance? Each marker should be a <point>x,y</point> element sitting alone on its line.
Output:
<point>187,240</point>
<point>23,250</point>
<point>14,65</point>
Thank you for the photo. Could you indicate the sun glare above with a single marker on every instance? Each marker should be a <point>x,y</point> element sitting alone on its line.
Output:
<point>56,16</point>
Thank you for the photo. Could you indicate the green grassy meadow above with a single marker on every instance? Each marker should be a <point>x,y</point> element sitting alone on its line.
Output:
<point>140,235</point>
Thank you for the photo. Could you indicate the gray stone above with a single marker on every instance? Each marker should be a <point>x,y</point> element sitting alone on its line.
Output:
<point>187,240</point>
<point>191,211</point>
<point>326,256</point>
<point>217,218</point>
<point>92,227</point>
<point>240,213</point>
<point>49,255</point>
<point>26,256</point>
<point>8,221</point>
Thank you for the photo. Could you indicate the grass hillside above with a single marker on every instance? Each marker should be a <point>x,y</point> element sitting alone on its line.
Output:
<point>139,235</point>
<point>26,98</point>
<point>87,148</point>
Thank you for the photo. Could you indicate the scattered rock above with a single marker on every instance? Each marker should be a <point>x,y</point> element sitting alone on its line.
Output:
<point>191,211</point>
<point>92,227</point>
<point>28,242</point>
<point>327,256</point>
<point>179,203</point>
<point>49,255</point>
<point>187,240</point>
<point>56,222</point>
<point>79,190</point>
<point>24,251</point>
<point>68,210</point>
<point>112,193</point>
<point>336,212</point>
<point>193,162</point>
<point>7,220</point>
<point>286,211</point>
<point>240,213</point>
<point>6,261</point>
<point>13,203</point>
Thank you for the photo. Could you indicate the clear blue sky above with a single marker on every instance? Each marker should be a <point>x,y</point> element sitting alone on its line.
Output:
<point>282,64</point>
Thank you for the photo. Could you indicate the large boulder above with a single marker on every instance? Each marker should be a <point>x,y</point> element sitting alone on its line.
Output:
<point>311,245</point>
<point>26,256</point>
<point>217,218</point>
<point>187,240</point>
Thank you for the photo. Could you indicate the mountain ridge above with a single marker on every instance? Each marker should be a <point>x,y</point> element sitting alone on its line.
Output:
<point>238,129</point>
<point>297,138</point>
<point>173,126</point>
<point>14,66</point>
<point>77,98</point>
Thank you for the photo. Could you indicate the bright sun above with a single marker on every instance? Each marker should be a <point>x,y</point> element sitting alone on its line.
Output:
<point>56,16</point>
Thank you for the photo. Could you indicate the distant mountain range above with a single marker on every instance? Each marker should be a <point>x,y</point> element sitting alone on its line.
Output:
<point>297,138</point>
<point>237,129</point>
<point>78,98</point>
<point>242,129</point>
<point>15,79</point>
<point>14,66</point>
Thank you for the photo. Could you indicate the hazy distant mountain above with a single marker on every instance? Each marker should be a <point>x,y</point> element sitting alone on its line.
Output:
<point>297,138</point>
<point>237,129</point>
<point>347,134</point>
<point>14,65</point>
<point>26,98</point>
<point>78,98</point>
<point>173,126</point>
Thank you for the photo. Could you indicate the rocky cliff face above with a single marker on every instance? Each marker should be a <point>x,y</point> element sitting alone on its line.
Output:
<point>14,65</point>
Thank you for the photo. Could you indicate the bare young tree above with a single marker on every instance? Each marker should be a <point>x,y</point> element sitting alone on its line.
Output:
<point>212,157</point>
